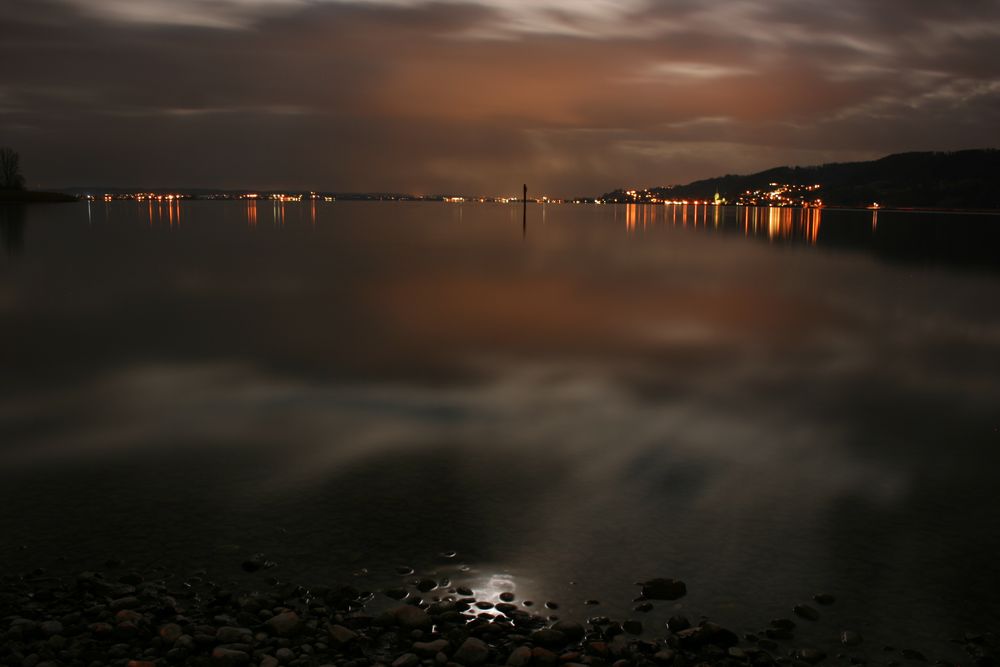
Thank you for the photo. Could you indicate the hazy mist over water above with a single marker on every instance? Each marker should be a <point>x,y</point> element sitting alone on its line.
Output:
<point>766,404</point>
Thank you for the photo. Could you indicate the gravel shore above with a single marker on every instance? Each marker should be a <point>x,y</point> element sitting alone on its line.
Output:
<point>117,618</point>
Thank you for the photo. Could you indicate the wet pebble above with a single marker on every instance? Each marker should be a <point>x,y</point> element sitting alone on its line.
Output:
<point>572,630</point>
<point>810,655</point>
<point>284,624</point>
<point>473,651</point>
<point>663,589</point>
<point>412,618</point>
<point>341,635</point>
<point>632,627</point>
<point>806,612</point>
<point>850,638</point>
<point>228,656</point>
<point>406,660</point>
<point>677,623</point>
<point>519,657</point>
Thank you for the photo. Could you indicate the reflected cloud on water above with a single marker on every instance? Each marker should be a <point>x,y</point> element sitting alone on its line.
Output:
<point>589,404</point>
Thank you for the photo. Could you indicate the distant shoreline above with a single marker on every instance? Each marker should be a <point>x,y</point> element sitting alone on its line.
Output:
<point>34,197</point>
<point>299,197</point>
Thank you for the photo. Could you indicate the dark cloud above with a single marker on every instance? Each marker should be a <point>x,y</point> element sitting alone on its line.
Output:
<point>480,96</point>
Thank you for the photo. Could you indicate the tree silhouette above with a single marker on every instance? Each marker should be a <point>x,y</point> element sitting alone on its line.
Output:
<point>10,170</point>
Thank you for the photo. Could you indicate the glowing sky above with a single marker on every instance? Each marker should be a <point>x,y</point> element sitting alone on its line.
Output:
<point>574,97</point>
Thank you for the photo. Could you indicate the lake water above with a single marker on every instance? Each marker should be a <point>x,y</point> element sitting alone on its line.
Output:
<point>765,404</point>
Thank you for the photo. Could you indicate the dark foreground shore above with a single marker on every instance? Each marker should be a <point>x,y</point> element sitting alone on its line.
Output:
<point>123,618</point>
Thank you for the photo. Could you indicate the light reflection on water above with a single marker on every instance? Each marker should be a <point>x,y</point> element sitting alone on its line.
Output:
<point>624,392</point>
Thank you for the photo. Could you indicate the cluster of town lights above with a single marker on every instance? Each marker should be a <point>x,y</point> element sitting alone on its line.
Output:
<point>776,195</point>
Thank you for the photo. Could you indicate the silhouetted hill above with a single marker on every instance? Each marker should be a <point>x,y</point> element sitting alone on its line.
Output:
<point>967,179</point>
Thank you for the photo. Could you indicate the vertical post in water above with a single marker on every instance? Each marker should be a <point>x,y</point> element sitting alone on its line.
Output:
<point>524,211</point>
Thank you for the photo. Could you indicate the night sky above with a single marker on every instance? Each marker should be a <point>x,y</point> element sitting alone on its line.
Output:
<point>574,97</point>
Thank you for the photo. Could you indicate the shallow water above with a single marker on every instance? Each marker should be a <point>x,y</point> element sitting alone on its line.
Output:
<point>766,404</point>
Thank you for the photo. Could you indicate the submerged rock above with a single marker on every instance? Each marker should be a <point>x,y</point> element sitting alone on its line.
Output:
<point>806,612</point>
<point>850,638</point>
<point>664,589</point>
<point>810,655</point>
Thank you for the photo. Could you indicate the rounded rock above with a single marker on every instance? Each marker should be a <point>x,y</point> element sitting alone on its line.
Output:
<point>663,589</point>
<point>341,635</point>
<point>519,657</point>
<point>572,630</point>
<point>473,651</point>
<point>806,612</point>
<point>51,628</point>
<point>548,637</point>
<point>810,655</point>
<point>284,624</point>
<point>412,618</point>
<point>227,656</point>
<point>850,638</point>
<point>406,660</point>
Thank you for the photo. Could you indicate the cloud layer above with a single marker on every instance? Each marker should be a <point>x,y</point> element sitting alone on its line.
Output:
<point>572,97</point>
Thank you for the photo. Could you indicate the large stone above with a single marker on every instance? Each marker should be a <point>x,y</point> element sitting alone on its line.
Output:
<point>632,627</point>
<point>406,660</point>
<point>850,638</point>
<point>341,635</point>
<point>678,623</point>
<point>720,636</point>
<point>442,607</point>
<point>473,651</point>
<point>519,657</point>
<point>231,635</point>
<point>171,632</point>
<point>51,628</point>
<point>693,637</point>
<point>548,637</point>
<point>284,624</point>
<point>543,656</point>
<point>810,655</point>
<point>226,656</point>
<point>571,629</point>
<point>664,589</point>
<point>806,612</point>
<point>664,656</point>
<point>431,649</point>
<point>412,618</point>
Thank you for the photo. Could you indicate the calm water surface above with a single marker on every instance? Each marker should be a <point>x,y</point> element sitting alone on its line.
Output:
<point>766,404</point>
